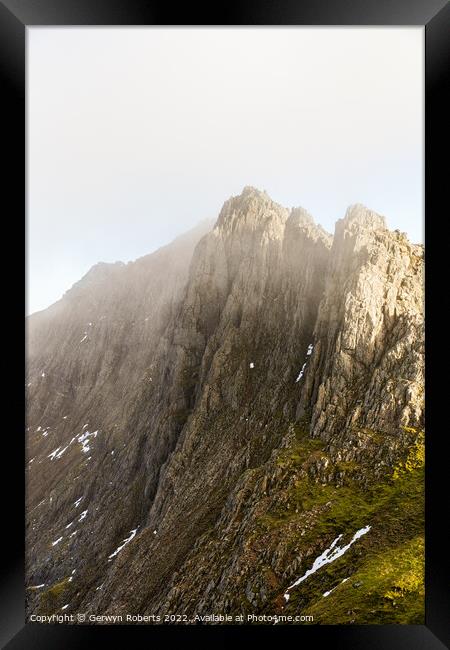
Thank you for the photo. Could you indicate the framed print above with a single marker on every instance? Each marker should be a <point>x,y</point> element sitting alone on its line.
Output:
<point>226,359</point>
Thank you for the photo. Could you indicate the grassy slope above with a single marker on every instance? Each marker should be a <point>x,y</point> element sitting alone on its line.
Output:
<point>384,570</point>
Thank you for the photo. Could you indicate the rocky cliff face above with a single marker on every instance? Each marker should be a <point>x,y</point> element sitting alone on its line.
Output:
<point>205,423</point>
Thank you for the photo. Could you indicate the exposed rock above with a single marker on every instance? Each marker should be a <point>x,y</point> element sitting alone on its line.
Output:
<point>212,404</point>
<point>366,370</point>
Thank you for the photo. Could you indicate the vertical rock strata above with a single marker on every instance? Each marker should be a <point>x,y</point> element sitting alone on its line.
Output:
<point>224,409</point>
<point>367,366</point>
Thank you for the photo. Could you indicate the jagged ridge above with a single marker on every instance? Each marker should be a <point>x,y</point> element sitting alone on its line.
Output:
<point>196,381</point>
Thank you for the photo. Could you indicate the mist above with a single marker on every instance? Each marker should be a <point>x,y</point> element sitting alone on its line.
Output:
<point>134,135</point>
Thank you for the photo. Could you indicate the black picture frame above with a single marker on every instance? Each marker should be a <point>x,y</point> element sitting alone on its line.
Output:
<point>15,17</point>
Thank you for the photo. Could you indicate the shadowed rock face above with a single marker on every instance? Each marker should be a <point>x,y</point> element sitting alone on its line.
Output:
<point>178,404</point>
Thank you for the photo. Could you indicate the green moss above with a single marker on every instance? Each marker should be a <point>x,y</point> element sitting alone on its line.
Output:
<point>409,429</point>
<point>388,562</point>
<point>346,466</point>
<point>415,457</point>
<point>58,588</point>
<point>387,588</point>
<point>302,449</point>
<point>352,504</point>
<point>52,599</point>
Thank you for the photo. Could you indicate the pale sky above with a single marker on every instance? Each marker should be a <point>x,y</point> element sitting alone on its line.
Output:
<point>134,135</point>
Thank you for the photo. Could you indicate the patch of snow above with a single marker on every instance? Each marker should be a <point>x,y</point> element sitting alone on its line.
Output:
<point>77,502</point>
<point>329,555</point>
<point>327,593</point>
<point>38,586</point>
<point>252,365</point>
<point>65,606</point>
<point>61,452</point>
<point>124,543</point>
<point>56,541</point>
<point>43,374</point>
<point>83,515</point>
<point>64,417</point>
<point>74,533</point>
<point>39,428</point>
<point>30,461</point>
<point>99,587</point>
<point>300,375</point>
<point>84,439</point>
<point>53,454</point>
<point>308,353</point>
<point>69,525</point>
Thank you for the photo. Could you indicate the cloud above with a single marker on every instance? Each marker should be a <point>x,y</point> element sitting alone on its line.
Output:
<point>136,134</point>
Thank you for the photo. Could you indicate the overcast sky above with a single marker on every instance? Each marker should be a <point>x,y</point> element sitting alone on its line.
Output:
<point>137,134</point>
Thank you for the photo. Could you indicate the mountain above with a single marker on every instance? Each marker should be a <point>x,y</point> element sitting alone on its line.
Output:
<point>233,425</point>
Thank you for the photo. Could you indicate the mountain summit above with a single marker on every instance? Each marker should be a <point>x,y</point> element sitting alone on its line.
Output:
<point>207,423</point>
